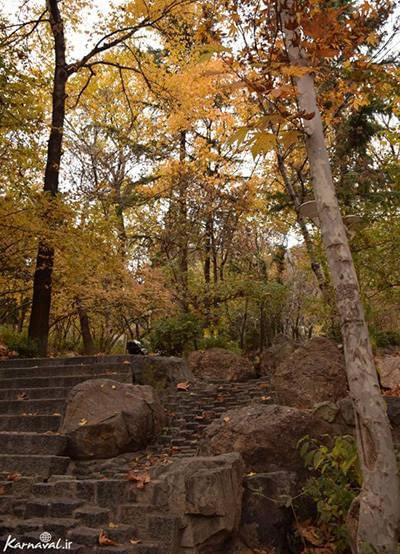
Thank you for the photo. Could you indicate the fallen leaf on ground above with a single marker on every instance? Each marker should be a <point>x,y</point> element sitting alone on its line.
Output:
<point>227,419</point>
<point>183,386</point>
<point>113,525</point>
<point>106,541</point>
<point>83,421</point>
<point>310,533</point>
<point>141,479</point>
<point>265,398</point>
<point>14,476</point>
<point>135,541</point>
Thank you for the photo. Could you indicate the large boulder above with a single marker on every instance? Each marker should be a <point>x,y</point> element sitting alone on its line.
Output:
<point>267,517</point>
<point>265,435</point>
<point>104,418</point>
<point>388,365</point>
<point>160,371</point>
<point>206,494</point>
<point>314,373</point>
<point>218,364</point>
<point>273,356</point>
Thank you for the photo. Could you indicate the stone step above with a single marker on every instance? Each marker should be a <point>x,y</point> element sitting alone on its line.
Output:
<point>71,360</point>
<point>44,466</point>
<point>19,487</point>
<point>59,381</point>
<point>34,443</point>
<point>61,507</point>
<point>71,370</point>
<point>35,407</point>
<point>92,516</point>
<point>105,493</point>
<point>89,536</point>
<point>57,527</point>
<point>30,423</point>
<point>6,504</point>
<point>32,394</point>
<point>142,548</point>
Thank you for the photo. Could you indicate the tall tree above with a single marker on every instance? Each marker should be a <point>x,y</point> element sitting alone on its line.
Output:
<point>379,502</point>
<point>128,25</point>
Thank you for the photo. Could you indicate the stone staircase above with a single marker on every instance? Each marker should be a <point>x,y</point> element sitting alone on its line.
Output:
<point>192,410</point>
<point>43,491</point>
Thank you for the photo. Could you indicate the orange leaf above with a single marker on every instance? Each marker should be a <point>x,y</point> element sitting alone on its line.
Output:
<point>106,541</point>
<point>14,476</point>
<point>141,479</point>
<point>310,534</point>
<point>183,386</point>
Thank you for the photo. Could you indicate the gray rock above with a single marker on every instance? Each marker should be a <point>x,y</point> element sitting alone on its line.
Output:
<point>160,371</point>
<point>273,356</point>
<point>346,411</point>
<point>267,517</point>
<point>314,373</point>
<point>104,418</point>
<point>328,411</point>
<point>265,435</point>
<point>218,364</point>
<point>206,492</point>
<point>388,366</point>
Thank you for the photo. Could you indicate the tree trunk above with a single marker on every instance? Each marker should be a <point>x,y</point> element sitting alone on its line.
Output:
<point>379,499</point>
<point>42,282</point>
<point>315,266</point>
<point>87,339</point>
<point>183,241</point>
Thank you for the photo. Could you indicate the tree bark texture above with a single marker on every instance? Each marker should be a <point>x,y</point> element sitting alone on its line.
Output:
<point>379,499</point>
<point>42,282</point>
<point>87,339</point>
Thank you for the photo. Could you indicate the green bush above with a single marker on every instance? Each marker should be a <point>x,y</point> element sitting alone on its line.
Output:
<point>387,338</point>
<point>174,335</point>
<point>221,341</point>
<point>335,484</point>
<point>20,343</point>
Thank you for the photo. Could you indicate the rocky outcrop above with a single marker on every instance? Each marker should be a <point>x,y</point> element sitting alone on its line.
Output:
<point>160,371</point>
<point>104,418</point>
<point>388,365</point>
<point>265,436</point>
<point>206,493</point>
<point>217,364</point>
<point>267,517</point>
<point>314,373</point>
<point>276,354</point>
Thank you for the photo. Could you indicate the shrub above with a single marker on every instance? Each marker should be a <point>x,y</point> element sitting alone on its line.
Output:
<point>20,343</point>
<point>174,335</point>
<point>334,485</point>
<point>387,338</point>
<point>221,341</point>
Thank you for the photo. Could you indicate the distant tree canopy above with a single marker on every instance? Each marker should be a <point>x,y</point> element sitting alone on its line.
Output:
<point>182,172</point>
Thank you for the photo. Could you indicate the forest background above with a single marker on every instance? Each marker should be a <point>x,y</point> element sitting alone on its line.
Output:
<point>181,214</point>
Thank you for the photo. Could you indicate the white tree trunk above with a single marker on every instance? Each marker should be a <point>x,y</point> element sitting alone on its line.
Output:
<point>379,500</point>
